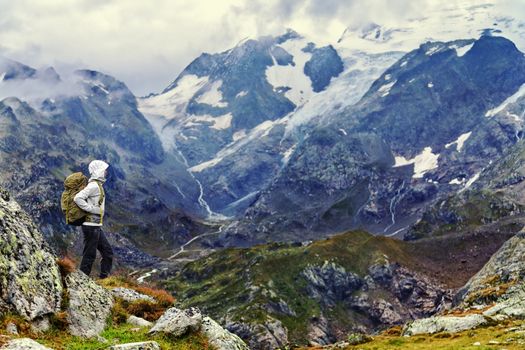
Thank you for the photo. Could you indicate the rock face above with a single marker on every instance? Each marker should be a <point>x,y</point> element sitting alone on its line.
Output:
<point>266,336</point>
<point>450,324</point>
<point>89,305</point>
<point>178,322</point>
<point>29,276</point>
<point>24,344</point>
<point>404,295</point>
<point>499,282</point>
<point>221,338</point>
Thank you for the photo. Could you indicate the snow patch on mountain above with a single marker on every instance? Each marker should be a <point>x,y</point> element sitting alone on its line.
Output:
<point>241,94</point>
<point>423,162</point>
<point>509,100</point>
<point>218,123</point>
<point>460,141</point>
<point>461,50</point>
<point>384,90</point>
<point>172,104</point>
<point>458,20</point>
<point>361,70</point>
<point>470,182</point>
<point>292,76</point>
<point>213,96</point>
<point>239,135</point>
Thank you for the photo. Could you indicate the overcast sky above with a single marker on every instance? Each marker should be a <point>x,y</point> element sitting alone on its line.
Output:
<point>147,43</point>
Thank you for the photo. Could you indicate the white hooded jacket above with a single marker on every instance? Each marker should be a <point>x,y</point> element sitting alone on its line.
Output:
<point>88,198</point>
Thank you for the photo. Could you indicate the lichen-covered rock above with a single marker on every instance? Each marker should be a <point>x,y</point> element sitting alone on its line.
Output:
<point>89,305</point>
<point>30,282</point>
<point>450,324</point>
<point>178,322</point>
<point>24,344</point>
<point>130,294</point>
<point>266,336</point>
<point>139,322</point>
<point>499,279</point>
<point>147,345</point>
<point>220,338</point>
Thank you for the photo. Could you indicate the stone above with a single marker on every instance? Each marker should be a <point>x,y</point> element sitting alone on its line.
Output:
<point>267,336</point>
<point>11,328</point>
<point>450,324</point>
<point>30,282</point>
<point>89,305</point>
<point>330,282</point>
<point>130,295</point>
<point>178,322</point>
<point>24,344</point>
<point>40,324</point>
<point>147,345</point>
<point>139,322</point>
<point>319,331</point>
<point>220,338</point>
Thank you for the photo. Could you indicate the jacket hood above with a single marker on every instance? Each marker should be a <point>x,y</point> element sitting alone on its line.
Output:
<point>96,170</point>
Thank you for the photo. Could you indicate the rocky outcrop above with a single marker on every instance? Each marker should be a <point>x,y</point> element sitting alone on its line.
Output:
<point>130,295</point>
<point>89,305</point>
<point>265,336</point>
<point>148,345</point>
<point>404,295</point>
<point>330,282</point>
<point>29,277</point>
<point>24,344</point>
<point>498,286</point>
<point>178,322</point>
<point>450,324</point>
<point>220,338</point>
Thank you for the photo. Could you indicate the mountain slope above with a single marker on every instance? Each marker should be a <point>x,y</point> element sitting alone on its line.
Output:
<point>320,291</point>
<point>46,136</point>
<point>397,150</point>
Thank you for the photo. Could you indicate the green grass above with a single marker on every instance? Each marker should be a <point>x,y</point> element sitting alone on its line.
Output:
<point>122,334</point>
<point>444,341</point>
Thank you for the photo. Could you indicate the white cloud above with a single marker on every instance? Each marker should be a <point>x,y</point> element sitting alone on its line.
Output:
<point>147,43</point>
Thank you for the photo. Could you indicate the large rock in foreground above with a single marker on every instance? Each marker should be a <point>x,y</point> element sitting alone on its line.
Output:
<point>89,305</point>
<point>24,344</point>
<point>30,282</point>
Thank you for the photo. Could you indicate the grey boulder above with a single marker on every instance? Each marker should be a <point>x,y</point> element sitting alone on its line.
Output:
<point>450,324</point>
<point>178,322</point>
<point>24,344</point>
<point>30,284</point>
<point>89,305</point>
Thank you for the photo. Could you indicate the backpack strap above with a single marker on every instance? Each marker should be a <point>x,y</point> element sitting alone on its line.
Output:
<point>101,200</point>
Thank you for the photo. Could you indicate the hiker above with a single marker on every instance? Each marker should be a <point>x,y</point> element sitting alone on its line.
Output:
<point>92,199</point>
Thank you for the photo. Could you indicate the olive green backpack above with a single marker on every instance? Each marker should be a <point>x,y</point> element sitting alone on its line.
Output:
<point>73,184</point>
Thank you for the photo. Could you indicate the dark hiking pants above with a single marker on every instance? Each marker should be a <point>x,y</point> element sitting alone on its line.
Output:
<point>94,238</point>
